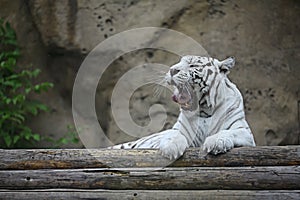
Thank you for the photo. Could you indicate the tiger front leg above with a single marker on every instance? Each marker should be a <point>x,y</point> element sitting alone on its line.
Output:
<point>173,144</point>
<point>228,139</point>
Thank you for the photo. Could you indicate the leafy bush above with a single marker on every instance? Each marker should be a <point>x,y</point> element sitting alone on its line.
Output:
<point>70,137</point>
<point>16,85</point>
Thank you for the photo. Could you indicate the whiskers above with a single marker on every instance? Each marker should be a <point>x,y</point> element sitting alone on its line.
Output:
<point>188,88</point>
<point>158,82</point>
<point>160,88</point>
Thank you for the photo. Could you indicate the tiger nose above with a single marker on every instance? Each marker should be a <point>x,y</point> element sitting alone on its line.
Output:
<point>174,72</point>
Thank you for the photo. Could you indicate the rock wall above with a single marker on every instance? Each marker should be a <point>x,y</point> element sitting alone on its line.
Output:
<point>262,35</point>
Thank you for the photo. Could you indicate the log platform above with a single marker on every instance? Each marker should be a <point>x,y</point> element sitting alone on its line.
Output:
<point>242,173</point>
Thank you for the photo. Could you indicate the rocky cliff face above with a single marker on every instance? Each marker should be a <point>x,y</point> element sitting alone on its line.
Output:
<point>262,35</point>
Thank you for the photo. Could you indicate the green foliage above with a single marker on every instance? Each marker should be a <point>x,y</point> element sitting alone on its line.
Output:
<point>16,85</point>
<point>71,137</point>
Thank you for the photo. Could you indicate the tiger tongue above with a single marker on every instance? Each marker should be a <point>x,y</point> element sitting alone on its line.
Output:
<point>174,98</point>
<point>181,98</point>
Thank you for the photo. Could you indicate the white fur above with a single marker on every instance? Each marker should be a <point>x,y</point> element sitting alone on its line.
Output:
<point>225,129</point>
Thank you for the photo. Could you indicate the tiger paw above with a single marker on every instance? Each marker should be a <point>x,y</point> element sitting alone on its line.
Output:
<point>173,145</point>
<point>216,144</point>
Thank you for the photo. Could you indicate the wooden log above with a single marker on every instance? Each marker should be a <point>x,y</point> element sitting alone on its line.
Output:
<point>194,178</point>
<point>97,158</point>
<point>151,194</point>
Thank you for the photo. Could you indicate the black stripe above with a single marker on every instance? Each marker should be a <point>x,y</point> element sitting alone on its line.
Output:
<point>186,130</point>
<point>237,119</point>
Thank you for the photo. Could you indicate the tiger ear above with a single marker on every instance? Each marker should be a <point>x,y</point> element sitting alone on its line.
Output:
<point>227,64</point>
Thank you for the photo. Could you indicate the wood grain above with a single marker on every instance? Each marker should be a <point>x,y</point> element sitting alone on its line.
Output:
<point>68,194</point>
<point>187,178</point>
<point>104,158</point>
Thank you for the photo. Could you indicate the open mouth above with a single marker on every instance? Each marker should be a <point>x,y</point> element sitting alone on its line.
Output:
<point>183,96</point>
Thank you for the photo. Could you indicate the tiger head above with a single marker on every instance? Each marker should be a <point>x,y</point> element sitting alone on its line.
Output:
<point>193,77</point>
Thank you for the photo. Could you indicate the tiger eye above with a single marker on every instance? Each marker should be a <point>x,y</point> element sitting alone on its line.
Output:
<point>174,71</point>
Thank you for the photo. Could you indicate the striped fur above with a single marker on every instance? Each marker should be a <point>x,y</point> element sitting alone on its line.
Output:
<point>212,114</point>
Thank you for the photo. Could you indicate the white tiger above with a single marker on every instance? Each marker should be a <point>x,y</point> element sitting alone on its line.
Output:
<point>211,114</point>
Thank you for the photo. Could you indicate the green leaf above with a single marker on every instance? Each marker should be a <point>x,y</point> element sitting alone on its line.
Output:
<point>13,76</point>
<point>10,33</point>
<point>27,90</point>
<point>35,72</point>
<point>33,111</point>
<point>26,73</point>
<point>42,87</point>
<point>19,116</point>
<point>16,139</point>
<point>43,107</point>
<point>9,63</point>
<point>33,107</point>
<point>36,137</point>
<point>7,140</point>
<point>75,140</point>
<point>16,117</point>
<point>63,140</point>
<point>7,101</point>
<point>26,133</point>
<point>16,53</point>
<point>9,83</point>
<point>5,116</point>
<point>37,88</point>
<point>18,99</point>
<point>48,85</point>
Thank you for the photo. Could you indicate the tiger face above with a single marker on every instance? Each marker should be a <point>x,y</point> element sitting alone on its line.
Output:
<point>192,78</point>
